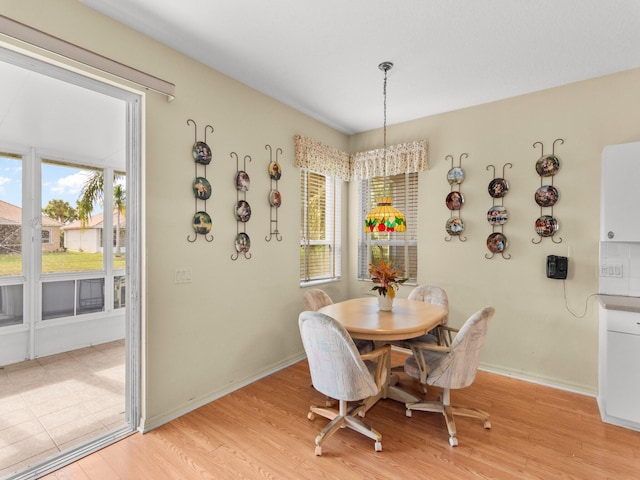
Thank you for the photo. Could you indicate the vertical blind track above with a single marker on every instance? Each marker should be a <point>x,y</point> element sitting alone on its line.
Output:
<point>40,39</point>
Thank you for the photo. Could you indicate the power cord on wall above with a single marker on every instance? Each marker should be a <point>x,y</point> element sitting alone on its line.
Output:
<point>566,302</point>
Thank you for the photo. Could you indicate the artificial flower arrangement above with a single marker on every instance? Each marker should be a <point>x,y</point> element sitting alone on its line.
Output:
<point>386,277</point>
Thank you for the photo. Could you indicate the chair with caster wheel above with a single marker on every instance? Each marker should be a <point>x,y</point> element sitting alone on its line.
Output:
<point>316,298</point>
<point>450,367</point>
<point>339,371</point>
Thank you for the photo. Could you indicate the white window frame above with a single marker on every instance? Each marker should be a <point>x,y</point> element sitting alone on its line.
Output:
<point>332,230</point>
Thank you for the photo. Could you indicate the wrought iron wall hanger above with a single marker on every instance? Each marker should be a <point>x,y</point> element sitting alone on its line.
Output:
<point>455,200</point>
<point>546,196</point>
<point>202,190</point>
<point>275,198</point>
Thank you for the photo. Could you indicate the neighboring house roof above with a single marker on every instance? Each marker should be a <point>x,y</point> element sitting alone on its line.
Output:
<point>12,215</point>
<point>96,221</point>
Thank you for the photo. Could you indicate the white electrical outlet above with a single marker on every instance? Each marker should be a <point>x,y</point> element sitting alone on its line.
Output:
<point>615,270</point>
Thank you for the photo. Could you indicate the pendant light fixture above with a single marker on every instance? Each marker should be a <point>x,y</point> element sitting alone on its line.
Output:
<point>385,218</point>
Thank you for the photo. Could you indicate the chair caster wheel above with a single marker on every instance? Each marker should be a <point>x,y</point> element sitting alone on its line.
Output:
<point>408,412</point>
<point>487,424</point>
<point>453,441</point>
<point>318,450</point>
<point>378,446</point>
<point>311,416</point>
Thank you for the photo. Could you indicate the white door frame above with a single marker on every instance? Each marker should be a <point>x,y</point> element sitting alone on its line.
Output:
<point>134,113</point>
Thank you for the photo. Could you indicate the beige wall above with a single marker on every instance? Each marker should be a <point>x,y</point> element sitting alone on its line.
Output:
<point>533,334</point>
<point>237,319</point>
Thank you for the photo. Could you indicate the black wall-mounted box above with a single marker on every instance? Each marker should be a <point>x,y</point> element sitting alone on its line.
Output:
<point>557,267</point>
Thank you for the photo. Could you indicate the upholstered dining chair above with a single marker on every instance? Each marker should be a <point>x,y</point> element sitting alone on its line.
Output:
<point>436,296</point>
<point>316,298</point>
<point>339,371</point>
<point>451,367</point>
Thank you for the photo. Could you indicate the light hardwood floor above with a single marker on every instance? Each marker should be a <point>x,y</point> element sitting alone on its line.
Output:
<point>261,431</point>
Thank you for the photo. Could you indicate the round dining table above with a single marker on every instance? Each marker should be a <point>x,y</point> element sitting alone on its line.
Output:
<point>362,318</point>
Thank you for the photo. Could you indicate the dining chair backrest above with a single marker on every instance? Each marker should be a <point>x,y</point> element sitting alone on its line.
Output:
<point>334,361</point>
<point>431,294</point>
<point>315,299</point>
<point>457,369</point>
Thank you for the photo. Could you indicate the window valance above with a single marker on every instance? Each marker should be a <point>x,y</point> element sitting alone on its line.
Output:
<point>321,158</point>
<point>402,158</point>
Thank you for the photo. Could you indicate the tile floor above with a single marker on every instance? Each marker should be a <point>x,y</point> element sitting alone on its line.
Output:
<point>54,403</point>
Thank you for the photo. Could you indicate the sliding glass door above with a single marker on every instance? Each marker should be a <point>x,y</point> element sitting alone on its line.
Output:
<point>69,249</point>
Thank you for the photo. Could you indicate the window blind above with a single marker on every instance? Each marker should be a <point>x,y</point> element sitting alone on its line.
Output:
<point>399,248</point>
<point>320,252</point>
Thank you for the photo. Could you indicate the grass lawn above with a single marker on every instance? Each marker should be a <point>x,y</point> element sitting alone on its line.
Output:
<point>59,262</point>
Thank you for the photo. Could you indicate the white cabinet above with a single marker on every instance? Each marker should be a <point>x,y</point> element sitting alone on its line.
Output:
<point>620,193</point>
<point>619,395</point>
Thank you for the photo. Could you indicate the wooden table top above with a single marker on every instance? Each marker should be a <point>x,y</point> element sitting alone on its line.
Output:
<point>363,320</point>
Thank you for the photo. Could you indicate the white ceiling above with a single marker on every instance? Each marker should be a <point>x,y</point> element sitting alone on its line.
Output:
<point>58,117</point>
<point>321,57</point>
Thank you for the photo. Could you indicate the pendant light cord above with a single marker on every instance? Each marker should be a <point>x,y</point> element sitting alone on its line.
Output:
<point>384,93</point>
<point>385,67</point>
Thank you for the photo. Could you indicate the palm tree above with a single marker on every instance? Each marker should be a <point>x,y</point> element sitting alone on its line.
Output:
<point>119,203</point>
<point>93,193</point>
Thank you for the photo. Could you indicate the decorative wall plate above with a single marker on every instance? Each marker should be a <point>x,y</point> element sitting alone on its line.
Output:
<point>497,215</point>
<point>546,226</point>
<point>201,153</point>
<point>242,211</point>
<point>202,223</point>
<point>454,201</point>
<point>243,243</point>
<point>546,196</point>
<point>201,188</point>
<point>275,172</point>
<point>455,176</point>
<point>496,242</point>
<point>275,199</point>
<point>242,181</point>
<point>454,226</point>
<point>547,165</point>
<point>498,187</point>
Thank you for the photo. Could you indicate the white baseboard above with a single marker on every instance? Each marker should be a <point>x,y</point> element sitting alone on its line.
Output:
<point>540,380</point>
<point>148,424</point>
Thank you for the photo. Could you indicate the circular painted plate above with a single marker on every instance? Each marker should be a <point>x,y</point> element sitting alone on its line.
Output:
<point>546,196</point>
<point>242,181</point>
<point>455,176</point>
<point>243,242</point>
<point>275,199</point>
<point>275,172</point>
<point>548,165</point>
<point>454,201</point>
<point>498,187</point>
<point>496,242</point>
<point>454,226</point>
<point>201,153</point>
<point>242,211</point>
<point>201,188</point>
<point>546,226</point>
<point>497,215</point>
<point>202,223</point>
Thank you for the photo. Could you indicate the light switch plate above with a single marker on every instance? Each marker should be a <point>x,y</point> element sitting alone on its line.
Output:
<point>182,275</point>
